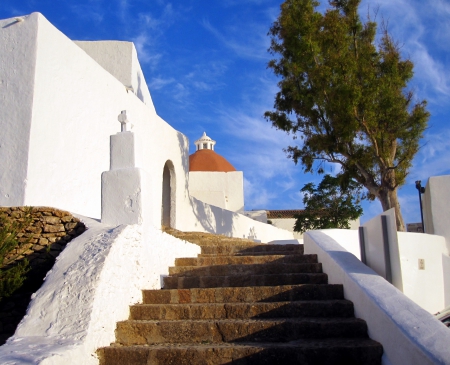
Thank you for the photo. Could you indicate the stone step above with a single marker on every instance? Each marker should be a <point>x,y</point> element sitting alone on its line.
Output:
<point>343,351</point>
<point>242,269</point>
<point>228,242</point>
<point>206,239</point>
<point>132,332</point>
<point>236,260</point>
<point>245,294</point>
<point>187,282</point>
<point>251,250</point>
<point>311,308</point>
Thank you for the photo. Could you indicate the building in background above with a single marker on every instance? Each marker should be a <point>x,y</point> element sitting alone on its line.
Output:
<point>213,180</point>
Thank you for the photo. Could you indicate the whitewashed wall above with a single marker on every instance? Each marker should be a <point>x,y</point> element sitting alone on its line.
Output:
<point>383,260</point>
<point>17,68</point>
<point>409,334</point>
<point>222,189</point>
<point>120,59</point>
<point>287,224</point>
<point>436,210</point>
<point>208,218</point>
<point>429,288</point>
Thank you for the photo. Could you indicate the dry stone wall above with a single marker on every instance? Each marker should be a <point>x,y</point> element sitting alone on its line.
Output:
<point>41,242</point>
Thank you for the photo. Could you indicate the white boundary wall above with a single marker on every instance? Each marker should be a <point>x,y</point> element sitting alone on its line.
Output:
<point>409,334</point>
<point>384,260</point>
<point>91,286</point>
<point>429,288</point>
<point>209,218</point>
<point>436,210</point>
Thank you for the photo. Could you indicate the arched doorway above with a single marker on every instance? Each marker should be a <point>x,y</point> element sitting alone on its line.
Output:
<point>168,195</point>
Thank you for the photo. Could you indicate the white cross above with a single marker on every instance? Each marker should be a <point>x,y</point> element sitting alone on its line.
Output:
<point>125,123</point>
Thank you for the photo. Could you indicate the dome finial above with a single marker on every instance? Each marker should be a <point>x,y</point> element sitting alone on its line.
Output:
<point>204,143</point>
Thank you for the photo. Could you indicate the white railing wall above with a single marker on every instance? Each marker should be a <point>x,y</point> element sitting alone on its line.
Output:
<point>408,333</point>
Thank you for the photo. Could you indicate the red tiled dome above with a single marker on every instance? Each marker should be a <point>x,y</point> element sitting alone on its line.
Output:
<point>208,160</point>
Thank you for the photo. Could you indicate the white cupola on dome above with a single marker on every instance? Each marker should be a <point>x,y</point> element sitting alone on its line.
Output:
<point>204,143</point>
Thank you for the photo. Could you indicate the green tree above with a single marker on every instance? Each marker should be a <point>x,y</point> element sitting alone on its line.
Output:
<point>329,205</point>
<point>12,275</point>
<point>345,97</point>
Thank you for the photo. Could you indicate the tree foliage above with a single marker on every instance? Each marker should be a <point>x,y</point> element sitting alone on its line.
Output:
<point>12,276</point>
<point>329,205</point>
<point>345,96</point>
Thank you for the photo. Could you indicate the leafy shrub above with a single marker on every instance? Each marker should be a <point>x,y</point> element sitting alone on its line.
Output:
<point>13,274</point>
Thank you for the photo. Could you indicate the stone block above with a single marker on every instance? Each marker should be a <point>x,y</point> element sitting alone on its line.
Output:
<point>51,220</point>
<point>43,241</point>
<point>53,228</point>
<point>67,219</point>
<point>69,226</point>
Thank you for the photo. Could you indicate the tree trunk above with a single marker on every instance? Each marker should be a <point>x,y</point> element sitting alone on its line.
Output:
<point>388,200</point>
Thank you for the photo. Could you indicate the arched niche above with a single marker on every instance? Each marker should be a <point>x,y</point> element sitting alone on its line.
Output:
<point>168,195</point>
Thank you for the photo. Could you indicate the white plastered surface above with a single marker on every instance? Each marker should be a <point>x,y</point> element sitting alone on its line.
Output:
<point>409,334</point>
<point>89,289</point>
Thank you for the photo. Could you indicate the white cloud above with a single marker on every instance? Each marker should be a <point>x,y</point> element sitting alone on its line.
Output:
<point>149,21</point>
<point>256,196</point>
<point>123,9</point>
<point>145,52</point>
<point>433,158</point>
<point>157,83</point>
<point>422,29</point>
<point>252,45</point>
<point>88,12</point>
<point>145,29</point>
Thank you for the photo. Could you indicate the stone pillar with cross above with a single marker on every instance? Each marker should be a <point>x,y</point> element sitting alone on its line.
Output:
<point>122,194</point>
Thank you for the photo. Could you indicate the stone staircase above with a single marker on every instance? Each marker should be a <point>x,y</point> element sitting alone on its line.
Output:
<point>243,303</point>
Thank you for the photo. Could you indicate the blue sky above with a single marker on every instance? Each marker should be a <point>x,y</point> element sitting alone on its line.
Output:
<point>205,64</point>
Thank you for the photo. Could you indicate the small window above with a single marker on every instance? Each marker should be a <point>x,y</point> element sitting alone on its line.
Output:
<point>205,145</point>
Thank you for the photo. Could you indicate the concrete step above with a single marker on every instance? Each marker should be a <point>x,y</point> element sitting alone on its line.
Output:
<point>245,294</point>
<point>134,332</point>
<point>343,351</point>
<point>243,269</point>
<point>237,260</point>
<point>251,250</point>
<point>310,308</point>
<point>187,282</point>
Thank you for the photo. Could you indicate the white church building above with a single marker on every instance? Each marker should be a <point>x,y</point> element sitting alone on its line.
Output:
<point>60,102</point>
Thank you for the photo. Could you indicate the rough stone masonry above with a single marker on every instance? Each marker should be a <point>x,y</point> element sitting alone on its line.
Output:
<point>41,242</point>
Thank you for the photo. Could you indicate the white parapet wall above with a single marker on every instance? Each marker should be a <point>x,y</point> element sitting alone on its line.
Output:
<point>425,267</point>
<point>409,334</point>
<point>436,210</point>
<point>91,286</point>
<point>428,285</point>
<point>209,218</point>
